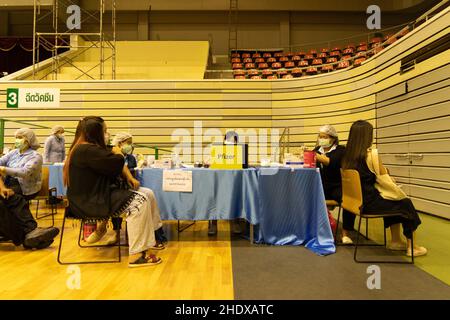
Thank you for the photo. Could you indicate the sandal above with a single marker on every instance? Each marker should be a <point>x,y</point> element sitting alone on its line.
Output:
<point>145,262</point>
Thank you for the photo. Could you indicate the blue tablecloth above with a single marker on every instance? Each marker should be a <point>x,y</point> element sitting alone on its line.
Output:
<point>287,206</point>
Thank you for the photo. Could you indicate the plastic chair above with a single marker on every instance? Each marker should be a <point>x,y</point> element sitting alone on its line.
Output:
<point>352,201</point>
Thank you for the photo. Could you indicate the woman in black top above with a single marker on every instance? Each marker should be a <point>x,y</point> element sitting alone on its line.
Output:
<point>356,154</point>
<point>329,156</point>
<point>89,173</point>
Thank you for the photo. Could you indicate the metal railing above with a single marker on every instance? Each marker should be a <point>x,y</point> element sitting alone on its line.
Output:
<point>3,122</point>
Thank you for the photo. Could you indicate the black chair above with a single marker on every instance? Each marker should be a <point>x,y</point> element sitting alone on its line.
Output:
<point>69,215</point>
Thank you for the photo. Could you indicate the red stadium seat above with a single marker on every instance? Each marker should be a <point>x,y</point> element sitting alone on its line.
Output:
<point>289,54</point>
<point>247,60</point>
<point>336,49</point>
<point>350,45</point>
<point>276,65</point>
<point>289,64</point>
<point>253,72</point>
<point>235,60</point>
<point>267,73</point>
<point>311,70</point>
<point>237,66</point>
<point>301,53</point>
<point>335,54</point>
<point>349,51</point>
<point>239,73</point>
<point>327,68</point>
<point>377,50</point>
<point>239,77</point>
<point>376,40</point>
<point>281,73</point>
<point>246,55</point>
<point>331,60</point>
<point>362,48</point>
<point>272,77</point>
<point>362,44</point>
<point>313,52</point>
<point>325,50</point>
<point>317,62</point>
<point>297,72</point>
<point>361,54</point>
<point>296,58</point>
<point>256,55</point>
<point>343,65</point>
<point>283,59</point>
<point>303,63</point>
<point>263,65</point>
<point>288,76</point>
<point>359,61</point>
<point>256,77</point>
<point>235,55</point>
<point>267,55</point>
<point>278,55</point>
<point>347,57</point>
<point>250,66</point>
<point>259,60</point>
<point>271,60</point>
<point>323,55</point>
<point>308,57</point>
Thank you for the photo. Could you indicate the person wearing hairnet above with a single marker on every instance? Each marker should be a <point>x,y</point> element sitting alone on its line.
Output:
<point>22,167</point>
<point>329,155</point>
<point>54,148</point>
<point>124,141</point>
<point>20,181</point>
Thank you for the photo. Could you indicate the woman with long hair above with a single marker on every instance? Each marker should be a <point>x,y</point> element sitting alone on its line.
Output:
<point>89,173</point>
<point>357,157</point>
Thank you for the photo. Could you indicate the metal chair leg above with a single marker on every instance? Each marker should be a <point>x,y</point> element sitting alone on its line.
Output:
<point>337,226</point>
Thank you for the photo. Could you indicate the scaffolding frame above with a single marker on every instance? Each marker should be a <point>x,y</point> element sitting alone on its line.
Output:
<point>99,40</point>
<point>232,26</point>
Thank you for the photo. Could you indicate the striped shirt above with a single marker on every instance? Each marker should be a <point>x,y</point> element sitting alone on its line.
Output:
<point>26,168</point>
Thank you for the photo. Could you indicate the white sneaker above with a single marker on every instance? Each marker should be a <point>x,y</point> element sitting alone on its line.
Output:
<point>346,240</point>
<point>95,236</point>
<point>418,251</point>
<point>397,246</point>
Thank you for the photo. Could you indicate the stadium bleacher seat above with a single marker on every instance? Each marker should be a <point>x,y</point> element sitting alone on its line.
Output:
<point>343,65</point>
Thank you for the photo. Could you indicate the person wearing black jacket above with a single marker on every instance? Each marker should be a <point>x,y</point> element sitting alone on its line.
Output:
<point>329,155</point>
<point>89,173</point>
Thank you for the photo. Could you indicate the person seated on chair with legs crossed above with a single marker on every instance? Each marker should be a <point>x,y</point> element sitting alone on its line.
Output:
<point>126,181</point>
<point>329,156</point>
<point>231,137</point>
<point>357,156</point>
<point>90,171</point>
<point>22,167</point>
<point>18,225</point>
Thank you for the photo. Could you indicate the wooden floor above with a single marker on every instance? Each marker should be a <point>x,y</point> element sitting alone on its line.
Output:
<point>194,267</point>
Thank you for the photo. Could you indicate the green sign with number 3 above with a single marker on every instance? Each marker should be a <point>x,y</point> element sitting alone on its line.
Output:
<point>12,98</point>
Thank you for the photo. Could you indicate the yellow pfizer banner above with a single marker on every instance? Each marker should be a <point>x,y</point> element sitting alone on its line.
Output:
<point>227,156</point>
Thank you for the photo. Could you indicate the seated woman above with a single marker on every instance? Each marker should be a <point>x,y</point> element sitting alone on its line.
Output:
<point>17,223</point>
<point>329,156</point>
<point>22,167</point>
<point>124,141</point>
<point>89,173</point>
<point>357,155</point>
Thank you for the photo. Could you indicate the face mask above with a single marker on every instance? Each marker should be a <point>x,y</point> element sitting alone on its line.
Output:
<point>107,142</point>
<point>19,144</point>
<point>60,135</point>
<point>126,149</point>
<point>324,143</point>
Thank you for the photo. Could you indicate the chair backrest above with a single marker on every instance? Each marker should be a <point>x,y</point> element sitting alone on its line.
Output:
<point>351,191</point>
<point>45,185</point>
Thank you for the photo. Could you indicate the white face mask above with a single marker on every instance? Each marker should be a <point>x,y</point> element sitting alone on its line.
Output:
<point>60,135</point>
<point>325,143</point>
<point>127,148</point>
